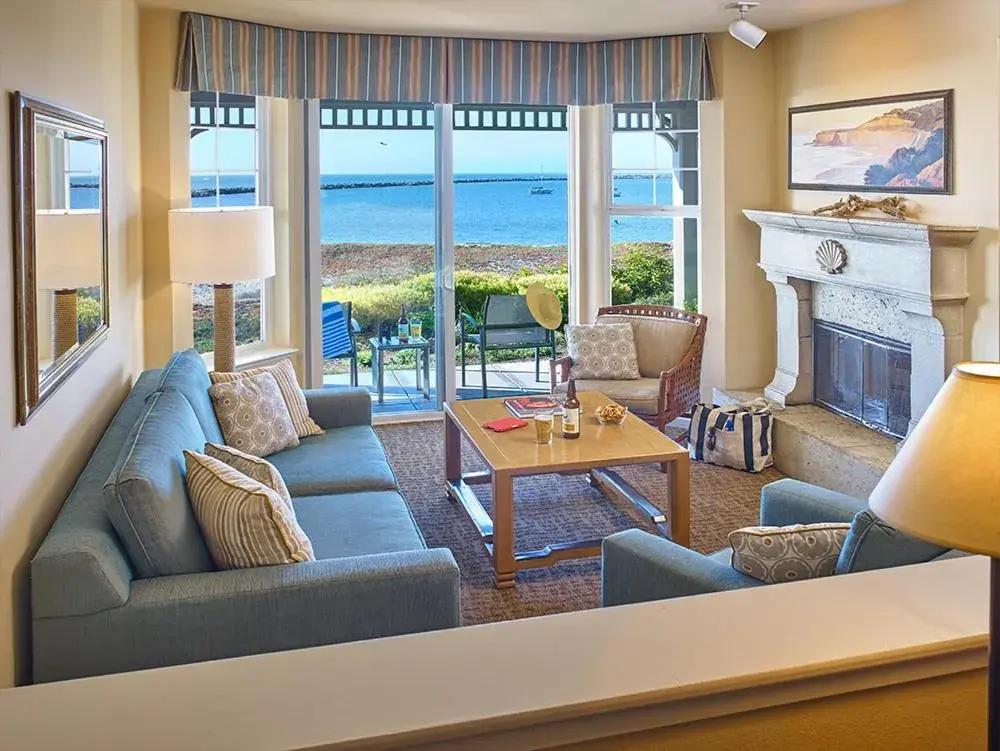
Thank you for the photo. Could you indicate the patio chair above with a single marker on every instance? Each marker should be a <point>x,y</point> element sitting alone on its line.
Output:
<point>669,343</point>
<point>507,324</point>
<point>338,335</point>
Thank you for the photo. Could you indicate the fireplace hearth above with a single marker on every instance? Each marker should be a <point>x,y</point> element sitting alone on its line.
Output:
<point>862,376</point>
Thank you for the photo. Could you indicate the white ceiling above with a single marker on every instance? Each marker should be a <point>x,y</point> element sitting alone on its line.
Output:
<point>575,20</point>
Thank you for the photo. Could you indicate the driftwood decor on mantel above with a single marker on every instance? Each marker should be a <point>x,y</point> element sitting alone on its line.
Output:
<point>894,206</point>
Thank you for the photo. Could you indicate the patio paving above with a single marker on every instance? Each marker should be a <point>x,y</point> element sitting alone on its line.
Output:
<point>402,394</point>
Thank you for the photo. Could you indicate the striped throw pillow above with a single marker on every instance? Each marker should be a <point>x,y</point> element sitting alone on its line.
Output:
<point>284,374</point>
<point>253,467</point>
<point>245,523</point>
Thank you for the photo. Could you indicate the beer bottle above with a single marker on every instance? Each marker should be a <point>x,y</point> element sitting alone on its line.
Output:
<point>571,412</point>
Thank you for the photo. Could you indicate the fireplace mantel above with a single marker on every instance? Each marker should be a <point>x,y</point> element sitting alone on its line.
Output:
<point>920,268</point>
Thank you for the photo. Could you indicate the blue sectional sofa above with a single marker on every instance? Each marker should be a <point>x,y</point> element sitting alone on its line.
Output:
<point>638,566</point>
<point>99,606</point>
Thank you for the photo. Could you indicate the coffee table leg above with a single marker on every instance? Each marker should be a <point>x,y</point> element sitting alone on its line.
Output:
<point>678,474</point>
<point>503,529</point>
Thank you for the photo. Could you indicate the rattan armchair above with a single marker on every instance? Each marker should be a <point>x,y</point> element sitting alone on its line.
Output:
<point>669,345</point>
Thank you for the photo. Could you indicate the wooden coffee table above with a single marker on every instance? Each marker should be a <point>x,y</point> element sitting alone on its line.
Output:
<point>517,454</point>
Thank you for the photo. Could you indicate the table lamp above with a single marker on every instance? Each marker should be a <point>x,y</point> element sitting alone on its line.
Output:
<point>222,246</point>
<point>944,487</point>
<point>68,257</point>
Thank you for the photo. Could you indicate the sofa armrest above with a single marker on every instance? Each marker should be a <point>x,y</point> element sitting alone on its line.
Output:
<point>637,566</point>
<point>793,502</point>
<point>173,620</point>
<point>339,407</point>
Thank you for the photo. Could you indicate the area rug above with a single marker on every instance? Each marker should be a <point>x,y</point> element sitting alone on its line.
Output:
<point>549,509</point>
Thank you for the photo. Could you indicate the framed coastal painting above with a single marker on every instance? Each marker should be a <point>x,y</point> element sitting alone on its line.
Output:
<point>897,144</point>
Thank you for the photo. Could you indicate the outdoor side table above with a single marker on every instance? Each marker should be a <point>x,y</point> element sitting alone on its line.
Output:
<point>421,348</point>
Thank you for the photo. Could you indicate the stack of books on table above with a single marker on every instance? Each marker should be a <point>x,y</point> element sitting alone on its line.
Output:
<point>529,406</point>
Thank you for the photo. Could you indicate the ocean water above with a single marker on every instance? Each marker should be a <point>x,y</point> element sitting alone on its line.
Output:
<point>490,209</point>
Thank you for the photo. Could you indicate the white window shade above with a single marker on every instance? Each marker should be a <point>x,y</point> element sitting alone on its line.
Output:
<point>68,249</point>
<point>221,245</point>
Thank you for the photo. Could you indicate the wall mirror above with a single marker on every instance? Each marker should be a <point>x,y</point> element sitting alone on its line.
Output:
<point>60,168</point>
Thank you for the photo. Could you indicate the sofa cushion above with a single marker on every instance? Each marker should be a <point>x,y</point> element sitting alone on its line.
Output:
<point>782,554</point>
<point>291,392</point>
<point>245,523</point>
<point>253,415</point>
<point>873,544</point>
<point>146,496</point>
<point>660,343</point>
<point>186,373</point>
<point>253,467</point>
<point>602,352</point>
<point>343,460</point>
<point>641,395</point>
<point>351,524</point>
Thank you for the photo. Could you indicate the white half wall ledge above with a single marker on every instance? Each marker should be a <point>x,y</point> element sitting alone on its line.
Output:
<point>541,682</point>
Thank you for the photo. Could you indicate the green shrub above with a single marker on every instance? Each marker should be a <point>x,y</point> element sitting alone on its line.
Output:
<point>88,316</point>
<point>647,271</point>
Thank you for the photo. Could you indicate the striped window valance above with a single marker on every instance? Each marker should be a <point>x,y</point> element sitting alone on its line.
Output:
<point>238,57</point>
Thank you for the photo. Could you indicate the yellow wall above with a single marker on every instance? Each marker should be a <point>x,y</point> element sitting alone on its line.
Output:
<point>166,183</point>
<point>920,45</point>
<point>943,714</point>
<point>82,54</point>
<point>738,172</point>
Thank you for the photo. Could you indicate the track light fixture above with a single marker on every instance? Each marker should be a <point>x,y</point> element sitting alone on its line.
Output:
<point>744,31</point>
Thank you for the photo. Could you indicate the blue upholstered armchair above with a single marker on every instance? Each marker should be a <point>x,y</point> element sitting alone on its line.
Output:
<point>638,566</point>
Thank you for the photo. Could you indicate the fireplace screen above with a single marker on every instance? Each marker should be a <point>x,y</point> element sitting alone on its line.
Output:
<point>862,376</point>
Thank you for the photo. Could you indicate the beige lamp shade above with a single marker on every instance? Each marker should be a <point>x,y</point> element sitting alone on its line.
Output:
<point>68,249</point>
<point>944,485</point>
<point>221,245</point>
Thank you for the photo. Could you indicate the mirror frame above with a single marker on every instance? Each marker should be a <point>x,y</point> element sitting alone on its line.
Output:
<point>33,388</point>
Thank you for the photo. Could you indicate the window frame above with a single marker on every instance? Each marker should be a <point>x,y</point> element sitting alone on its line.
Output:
<point>664,211</point>
<point>262,191</point>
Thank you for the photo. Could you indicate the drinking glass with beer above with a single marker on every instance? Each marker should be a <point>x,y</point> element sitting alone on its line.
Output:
<point>543,428</point>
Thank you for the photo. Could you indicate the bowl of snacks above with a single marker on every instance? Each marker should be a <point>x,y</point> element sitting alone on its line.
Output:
<point>611,414</point>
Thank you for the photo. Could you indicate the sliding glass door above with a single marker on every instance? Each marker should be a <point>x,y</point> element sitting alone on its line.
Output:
<point>425,215</point>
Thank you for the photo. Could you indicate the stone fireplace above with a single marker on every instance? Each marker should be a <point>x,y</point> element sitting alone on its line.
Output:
<point>869,313</point>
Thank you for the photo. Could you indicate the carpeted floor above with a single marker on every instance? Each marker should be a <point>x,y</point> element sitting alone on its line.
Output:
<point>548,509</point>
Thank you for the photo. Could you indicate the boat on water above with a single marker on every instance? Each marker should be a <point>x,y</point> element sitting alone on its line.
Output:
<point>540,190</point>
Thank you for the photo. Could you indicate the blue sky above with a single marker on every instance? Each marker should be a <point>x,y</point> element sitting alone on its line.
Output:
<point>374,152</point>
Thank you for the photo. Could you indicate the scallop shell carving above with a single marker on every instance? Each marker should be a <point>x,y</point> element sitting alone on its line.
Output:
<point>832,257</point>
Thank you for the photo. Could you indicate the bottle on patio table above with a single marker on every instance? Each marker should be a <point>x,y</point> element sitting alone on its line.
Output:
<point>404,326</point>
<point>571,412</point>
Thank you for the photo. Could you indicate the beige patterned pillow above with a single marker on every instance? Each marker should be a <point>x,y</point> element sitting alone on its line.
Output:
<point>253,467</point>
<point>602,352</point>
<point>253,415</point>
<point>284,374</point>
<point>245,523</point>
<point>783,554</point>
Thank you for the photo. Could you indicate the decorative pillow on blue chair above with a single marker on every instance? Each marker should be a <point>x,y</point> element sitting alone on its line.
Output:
<point>873,544</point>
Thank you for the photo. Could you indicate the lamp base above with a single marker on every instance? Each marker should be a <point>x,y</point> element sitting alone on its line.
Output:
<point>225,329</point>
<point>65,333</point>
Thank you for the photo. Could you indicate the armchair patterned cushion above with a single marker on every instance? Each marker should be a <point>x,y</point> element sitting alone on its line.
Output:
<point>669,343</point>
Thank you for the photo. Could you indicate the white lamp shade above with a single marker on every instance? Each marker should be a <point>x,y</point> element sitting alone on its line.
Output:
<point>221,245</point>
<point>944,485</point>
<point>68,249</point>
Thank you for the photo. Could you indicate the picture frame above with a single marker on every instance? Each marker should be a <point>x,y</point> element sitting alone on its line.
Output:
<point>891,144</point>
